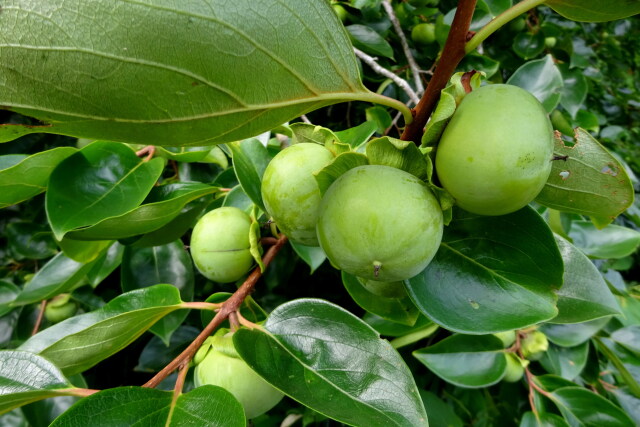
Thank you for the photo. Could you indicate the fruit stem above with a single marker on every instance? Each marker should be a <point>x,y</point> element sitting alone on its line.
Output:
<point>229,306</point>
<point>377,265</point>
<point>452,54</point>
<point>500,20</point>
<point>43,306</point>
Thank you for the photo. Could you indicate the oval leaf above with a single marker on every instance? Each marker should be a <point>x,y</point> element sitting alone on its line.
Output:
<point>566,362</point>
<point>573,334</point>
<point>78,343</point>
<point>584,295</point>
<point>138,83</point>
<point>30,176</point>
<point>161,206</point>
<point>542,78</point>
<point>317,352</point>
<point>102,180</point>
<point>587,180</point>
<point>613,241</point>
<point>250,159</point>
<point>491,274</point>
<point>589,408</point>
<point>466,360</point>
<point>594,10</point>
<point>204,406</point>
<point>26,378</point>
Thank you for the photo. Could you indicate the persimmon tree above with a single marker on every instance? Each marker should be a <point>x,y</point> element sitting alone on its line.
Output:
<point>154,151</point>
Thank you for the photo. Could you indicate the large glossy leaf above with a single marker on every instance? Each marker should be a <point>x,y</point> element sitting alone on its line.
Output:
<point>573,334</point>
<point>331,361</point>
<point>542,420</point>
<point>170,263</point>
<point>206,406</point>
<point>80,342</point>
<point>587,180</point>
<point>162,205</point>
<point>584,295</point>
<point>103,180</point>
<point>170,72</point>
<point>613,241</point>
<point>60,274</point>
<point>542,78</point>
<point>491,274</point>
<point>466,360</point>
<point>26,377</point>
<point>566,362</point>
<point>590,409</point>
<point>595,10</point>
<point>250,159</point>
<point>30,176</point>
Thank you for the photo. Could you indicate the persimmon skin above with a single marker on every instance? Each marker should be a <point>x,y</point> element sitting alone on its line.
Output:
<point>379,223</point>
<point>290,193</point>
<point>495,154</point>
<point>220,245</point>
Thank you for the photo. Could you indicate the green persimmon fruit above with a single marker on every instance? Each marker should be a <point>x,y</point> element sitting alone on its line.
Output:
<point>495,154</point>
<point>518,24</point>
<point>534,345</point>
<point>424,33</point>
<point>515,368</point>
<point>60,308</point>
<point>507,337</point>
<point>379,223</point>
<point>221,366</point>
<point>550,42</point>
<point>290,192</point>
<point>220,244</point>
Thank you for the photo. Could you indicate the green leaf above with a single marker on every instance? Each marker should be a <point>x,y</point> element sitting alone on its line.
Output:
<point>331,361</point>
<point>589,408</point>
<point>204,406</point>
<point>306,133</point>
<point>29,177</point>
<point>393,329</point>
<point>358,135</point>
<point>313,256</point>
<point>156,354</point>
<point>542,420</point>
<point>368,40</point>
<point>584,295</point>
<point>162,205</point>
<point>8,293</point>
<point>542,79</point>
<point>403,155</point>
<point>491,274</point>
<point>440,414</point>
<point>140,84</point>
<point>589,182</point>
<point>250,159</point>
<point>26,378</point>
<point>78,343</point>
<point>30,240</point>
<point>184,154</point>
<point>466,360</point>
<point>566,362</point>
<point>574,91</point>
<point>594,10</point>
<point>103,180</point>
<point>629,403</point>
<point>575,334</point>
<point>528,45</point>
<point>341,164</point>
<point>397,308</point>
<point>613,241</point>
<point>105,264</point>
<point>60,274</point>
<point>625,362</point>
<point>170,263</point>
<point>628,337</point>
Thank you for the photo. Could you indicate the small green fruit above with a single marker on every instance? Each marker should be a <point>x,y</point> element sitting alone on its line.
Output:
<point>534,345</point>
<point>507,337</point>
<point>518,24</point>
<point>221,366</point>
<point>560,123</point>
<point>379,223</point>
<point>220,244</point>
<point>60,308</point>
<point>290,192</point>
<point>495,154</point>
<point>550,42</point>
<point>342,13</point>
<point>515,368</point>
<point>424,33</point>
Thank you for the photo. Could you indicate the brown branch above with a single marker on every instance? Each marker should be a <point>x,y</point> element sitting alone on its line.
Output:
<point>452,54</point>
<point>149,151</point>
<point>229,306</point>
<point>43,306</point>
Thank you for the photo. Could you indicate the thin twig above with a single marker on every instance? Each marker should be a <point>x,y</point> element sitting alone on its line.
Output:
<point>371,62</point>
<point>305,119</point>
<point>149,151</point>
<point>415,70</point>
<point>43,306</point>
<point>229,306</point>
<point>452,54</point>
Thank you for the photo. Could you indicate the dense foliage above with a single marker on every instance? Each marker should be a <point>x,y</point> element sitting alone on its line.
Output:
<point>159,112</point>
